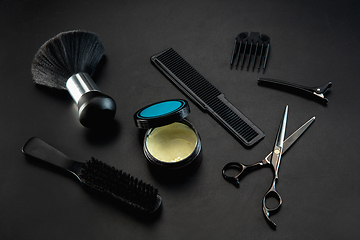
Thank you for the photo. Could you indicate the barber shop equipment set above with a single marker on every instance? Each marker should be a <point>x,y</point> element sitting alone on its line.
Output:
<point>172,145</point>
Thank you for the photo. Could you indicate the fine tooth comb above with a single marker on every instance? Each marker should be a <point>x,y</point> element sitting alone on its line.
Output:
<point>96,175</point>
<point>253,45</point>
<point>316,92</point>
<point>209,98</point>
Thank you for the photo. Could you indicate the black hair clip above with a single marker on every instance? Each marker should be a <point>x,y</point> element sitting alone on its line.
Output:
<point>317,92</point>
<point>251,45</point>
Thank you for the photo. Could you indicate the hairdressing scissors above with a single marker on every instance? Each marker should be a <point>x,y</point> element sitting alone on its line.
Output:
<point>272,159</point>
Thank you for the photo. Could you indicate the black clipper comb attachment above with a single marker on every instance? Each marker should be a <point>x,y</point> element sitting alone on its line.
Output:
<point>208,98</point>
<point>100,177</point>
<point>255,46</point>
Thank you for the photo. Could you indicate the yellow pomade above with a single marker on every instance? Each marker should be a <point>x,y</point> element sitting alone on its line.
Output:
<point>171,143</point>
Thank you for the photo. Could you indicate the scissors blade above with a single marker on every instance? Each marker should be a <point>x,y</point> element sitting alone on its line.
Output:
<point>292,138</point>
<point>279,141</point>
<point>281,132</point>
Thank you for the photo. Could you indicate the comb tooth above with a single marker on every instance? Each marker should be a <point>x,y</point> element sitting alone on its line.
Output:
<point>233,53</point>
<point>243,58</point>
<point>256,49</point>
<point>260,57</point>
<point>267,55</point>
<point>238,55</point>
<point>249,59</point>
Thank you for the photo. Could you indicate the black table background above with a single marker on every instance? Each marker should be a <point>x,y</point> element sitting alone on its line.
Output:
<point>313,42</point>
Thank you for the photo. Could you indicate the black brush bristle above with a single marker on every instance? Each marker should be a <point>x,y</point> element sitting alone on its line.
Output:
<point>66,54</point>
<point>141,196</point>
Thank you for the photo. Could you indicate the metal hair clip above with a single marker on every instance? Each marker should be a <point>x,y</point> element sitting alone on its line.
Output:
<point>317,92</point>
<point>251,45</point>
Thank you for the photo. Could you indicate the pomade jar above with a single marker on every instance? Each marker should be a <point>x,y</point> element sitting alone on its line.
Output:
<point>171,144</point>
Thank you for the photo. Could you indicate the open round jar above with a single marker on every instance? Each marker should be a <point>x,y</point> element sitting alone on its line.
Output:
<point>171,144</point>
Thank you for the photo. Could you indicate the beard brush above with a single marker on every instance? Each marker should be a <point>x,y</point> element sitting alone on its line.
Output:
<point>67,61</point>
<point>98,176</point>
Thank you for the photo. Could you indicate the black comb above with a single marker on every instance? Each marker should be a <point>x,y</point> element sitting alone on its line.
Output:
<point>253,45</point>
<point>209,98</point>
<point>98,176</point>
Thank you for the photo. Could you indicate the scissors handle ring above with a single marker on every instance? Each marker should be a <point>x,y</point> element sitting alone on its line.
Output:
<point>267,211</point>
<point>276,195</point>
<point>233,179</point>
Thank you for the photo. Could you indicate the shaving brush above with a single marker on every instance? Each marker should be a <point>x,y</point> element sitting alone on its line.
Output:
<point>67,61</point>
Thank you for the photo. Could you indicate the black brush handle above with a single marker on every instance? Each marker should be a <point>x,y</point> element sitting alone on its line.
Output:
<point>38,149</point>
<point>96,109</point>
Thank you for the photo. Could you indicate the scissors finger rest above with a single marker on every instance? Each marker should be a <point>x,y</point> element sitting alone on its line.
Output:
<point>275,196</point>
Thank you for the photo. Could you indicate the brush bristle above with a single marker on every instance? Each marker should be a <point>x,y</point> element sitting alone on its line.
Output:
<point>107,179</point>
<point>66,54</point>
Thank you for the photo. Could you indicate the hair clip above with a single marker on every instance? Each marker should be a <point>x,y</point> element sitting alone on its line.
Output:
<point>317,92</point>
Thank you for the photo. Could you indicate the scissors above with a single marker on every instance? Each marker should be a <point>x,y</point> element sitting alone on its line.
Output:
<point>272,159</point>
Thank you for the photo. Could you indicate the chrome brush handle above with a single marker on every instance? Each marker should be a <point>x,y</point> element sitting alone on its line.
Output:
<point>95,108</point>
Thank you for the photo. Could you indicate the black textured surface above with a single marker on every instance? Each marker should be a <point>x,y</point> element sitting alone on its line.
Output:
<point>312,43</point>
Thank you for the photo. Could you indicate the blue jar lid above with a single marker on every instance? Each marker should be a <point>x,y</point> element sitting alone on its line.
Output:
<point>161,113</point>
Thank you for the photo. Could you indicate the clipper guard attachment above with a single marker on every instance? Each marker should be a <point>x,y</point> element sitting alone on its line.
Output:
<point>255,46</point>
